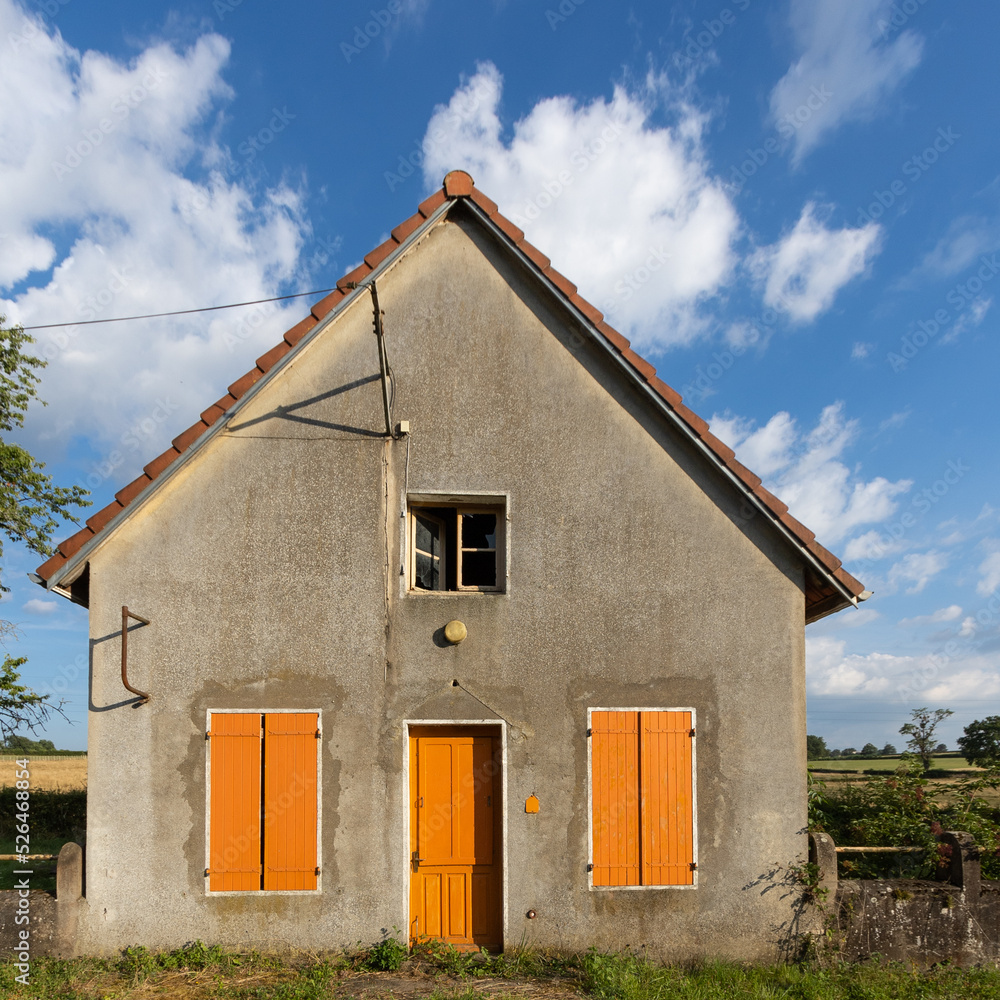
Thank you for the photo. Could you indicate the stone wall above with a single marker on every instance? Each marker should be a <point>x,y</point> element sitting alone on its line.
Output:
<point>955,919</point>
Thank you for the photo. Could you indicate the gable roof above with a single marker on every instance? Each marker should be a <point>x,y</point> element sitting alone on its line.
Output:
<point>829,587</point>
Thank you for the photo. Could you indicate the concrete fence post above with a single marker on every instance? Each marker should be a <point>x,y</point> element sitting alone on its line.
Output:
<point>69,873</point>
<point>964,870</point>
<point>823,854</point>
<point>69,899</point>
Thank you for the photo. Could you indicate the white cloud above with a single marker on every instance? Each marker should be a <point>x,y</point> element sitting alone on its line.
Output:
<point>806,470</point>
<point>36,606</point>
<point>870,546</point>
<point>805,269</point>
<point>829,671</point>
<point>968,236</point>
<point>948,614</point>
<point>861,350</point>
<point>103,153</point>
<point>971,684</point>
<point>626,209</point>
<point>844,57</point>
<point>917,569</point>
<point>969,320</point>
<point>989,572</point>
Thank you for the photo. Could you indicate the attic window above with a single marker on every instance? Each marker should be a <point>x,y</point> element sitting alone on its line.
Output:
<point>457,546</point>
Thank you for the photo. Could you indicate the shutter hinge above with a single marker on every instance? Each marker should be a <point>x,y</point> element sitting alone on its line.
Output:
<point>590,868</point>
<point>207,872</point>
<point>318,734</point>
<point>694,866</point>
<point>208,735</point>
<point>590,732</point>
<point>691,734</point>
<point>317,870</point>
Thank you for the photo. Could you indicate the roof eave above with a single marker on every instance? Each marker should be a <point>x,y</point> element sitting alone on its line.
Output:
<point>74,564</point>
<point>661,404</point>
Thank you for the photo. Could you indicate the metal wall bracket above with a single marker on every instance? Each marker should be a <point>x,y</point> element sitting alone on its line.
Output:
<point>144,696</point>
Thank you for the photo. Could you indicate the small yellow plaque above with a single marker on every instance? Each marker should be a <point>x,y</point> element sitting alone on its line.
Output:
<point>531,804</point>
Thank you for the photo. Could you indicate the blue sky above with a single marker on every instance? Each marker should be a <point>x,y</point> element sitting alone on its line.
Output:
<point>792,208</point>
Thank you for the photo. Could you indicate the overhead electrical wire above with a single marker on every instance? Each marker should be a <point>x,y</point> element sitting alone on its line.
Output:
<point>176,312</point>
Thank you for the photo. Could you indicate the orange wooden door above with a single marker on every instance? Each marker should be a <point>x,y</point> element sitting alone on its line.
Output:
<point>455,880</point>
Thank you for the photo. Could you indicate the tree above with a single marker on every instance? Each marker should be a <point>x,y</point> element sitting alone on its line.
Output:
<point>920,731</point>
<point>849,751</point>
<point>981,743</point>
<point>889,750</point>
<point>869,750</point>
<point>816,748</point>
<point>30,511</point>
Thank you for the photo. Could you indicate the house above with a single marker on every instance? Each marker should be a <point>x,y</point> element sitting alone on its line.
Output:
<point>450,617</point>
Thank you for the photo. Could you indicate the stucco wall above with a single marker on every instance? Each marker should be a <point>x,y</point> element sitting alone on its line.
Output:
<point>270,570</point>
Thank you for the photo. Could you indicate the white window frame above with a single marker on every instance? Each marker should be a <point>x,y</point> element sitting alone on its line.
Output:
<point>590,801</point>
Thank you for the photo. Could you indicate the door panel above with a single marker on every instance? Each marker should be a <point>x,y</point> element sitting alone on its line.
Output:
<point>454,832</point>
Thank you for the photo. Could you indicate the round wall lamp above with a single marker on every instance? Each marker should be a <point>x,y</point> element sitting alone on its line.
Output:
<point>455,631</point>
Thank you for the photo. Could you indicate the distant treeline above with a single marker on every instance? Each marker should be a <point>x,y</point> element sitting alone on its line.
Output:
<point>21,745</point>
<point>4,752</point>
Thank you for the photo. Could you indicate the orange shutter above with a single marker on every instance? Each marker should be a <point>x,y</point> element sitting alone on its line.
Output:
<point>615,782</point>
<point>667,815</point>
<point>290,800</point>
<point>234,841</point>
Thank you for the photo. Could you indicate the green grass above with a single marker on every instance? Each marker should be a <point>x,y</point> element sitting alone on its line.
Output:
<point>199,972</point>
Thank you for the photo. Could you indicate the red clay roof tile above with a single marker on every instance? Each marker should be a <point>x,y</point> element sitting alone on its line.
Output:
<point>854,585</point>
<point>185,439</point>
<point>300,329</point>
<point>51,565</point>
<point>240,386</point>
<point>488,205</point>
<point>354,277</point>
<point>323,307</point>
<point>645,369</point>
<point>535,256</point>
<point>591,312</point>
<point>267,361</point>
<point>213,413</point>
<point>719,447</point>
<point>770,501</point>
<point>404,229</point>
<point>692,419</point>
<point>430,205</point>
<point>796,527</point>
<point>508,228</point>
<point>670,395</point>
<point>457,184</point>
<point>74,543</point>
<point>561,282</point>
<point>622,343</point>
<point>103,516</point>
<point>162,462</point>
<point>128,493</point>
<point>751,479</point>
<point>380,253</point>
<point>824,555</point>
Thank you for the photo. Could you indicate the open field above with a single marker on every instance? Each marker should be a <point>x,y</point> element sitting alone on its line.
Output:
<point>50,773</point>
<point>858,764</point>
<point>198,973</point>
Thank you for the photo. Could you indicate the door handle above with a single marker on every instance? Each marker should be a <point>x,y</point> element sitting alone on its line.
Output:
<point>415,859</point>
